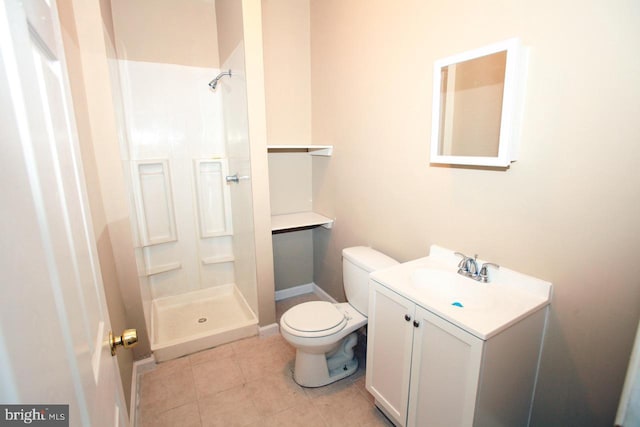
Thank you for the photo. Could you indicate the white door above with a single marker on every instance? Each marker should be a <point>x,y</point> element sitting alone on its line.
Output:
<point>389,341</point>
<point>53,320</point>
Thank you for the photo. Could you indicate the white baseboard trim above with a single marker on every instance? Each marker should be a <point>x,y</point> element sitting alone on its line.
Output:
<point>304,289</point>
<point>322,294</point>
<point>267,331</point>
<point>139,367</point>
<point>294,291</point>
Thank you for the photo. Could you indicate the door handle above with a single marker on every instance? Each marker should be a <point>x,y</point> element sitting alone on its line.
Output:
<point>235,178</point>
<point>128,339</point>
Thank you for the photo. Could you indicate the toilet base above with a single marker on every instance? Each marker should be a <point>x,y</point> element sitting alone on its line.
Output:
<point>317,370</point>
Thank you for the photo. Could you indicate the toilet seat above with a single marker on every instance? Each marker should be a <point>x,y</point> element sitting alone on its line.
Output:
<point>315,319</point>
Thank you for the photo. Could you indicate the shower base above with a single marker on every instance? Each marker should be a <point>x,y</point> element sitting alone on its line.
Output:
<point>198,320</point>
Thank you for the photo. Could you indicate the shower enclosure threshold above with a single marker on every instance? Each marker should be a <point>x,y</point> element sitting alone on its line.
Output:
<point>187,323</point>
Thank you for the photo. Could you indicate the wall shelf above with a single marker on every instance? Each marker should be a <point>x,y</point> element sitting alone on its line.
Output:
<point>150,271</point>
<point>217,259</point>
<point>299,220</point>
<point>314,150</point>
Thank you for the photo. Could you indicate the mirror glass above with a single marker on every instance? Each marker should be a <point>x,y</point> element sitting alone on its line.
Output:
<point>473,109</point>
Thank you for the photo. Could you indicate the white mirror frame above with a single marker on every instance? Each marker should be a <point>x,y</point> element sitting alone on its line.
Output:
<point>512,103</point>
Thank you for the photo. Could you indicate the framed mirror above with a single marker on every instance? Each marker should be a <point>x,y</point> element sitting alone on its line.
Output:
<point>476,106</point>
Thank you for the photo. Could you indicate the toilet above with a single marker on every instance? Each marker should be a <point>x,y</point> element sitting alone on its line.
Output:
<point>324,333</point>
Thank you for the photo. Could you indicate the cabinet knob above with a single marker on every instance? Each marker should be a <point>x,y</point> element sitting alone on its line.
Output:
<point>416,323</point>
<point>407,317</point>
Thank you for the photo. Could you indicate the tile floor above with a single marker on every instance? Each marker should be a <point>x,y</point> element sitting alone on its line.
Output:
<point>249,383</point>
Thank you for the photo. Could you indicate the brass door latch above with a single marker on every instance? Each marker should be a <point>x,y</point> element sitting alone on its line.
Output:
<point>128,339</point>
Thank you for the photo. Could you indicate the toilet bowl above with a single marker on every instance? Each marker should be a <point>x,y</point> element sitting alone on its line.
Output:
<point>324,333</point>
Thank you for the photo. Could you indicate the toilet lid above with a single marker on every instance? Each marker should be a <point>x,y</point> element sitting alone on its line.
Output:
<point>315,316</point>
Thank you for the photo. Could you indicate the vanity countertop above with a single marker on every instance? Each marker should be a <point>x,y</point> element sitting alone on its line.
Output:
<point>482,309</point>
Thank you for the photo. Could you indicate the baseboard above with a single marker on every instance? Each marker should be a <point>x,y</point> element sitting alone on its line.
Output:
<point>304,289</point>
<point>294,291</point>
<point>322,294</point>
<point>139,367</point>
<point>267,331</point>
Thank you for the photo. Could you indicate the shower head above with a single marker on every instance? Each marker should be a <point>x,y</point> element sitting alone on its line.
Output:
<point>213,83</point>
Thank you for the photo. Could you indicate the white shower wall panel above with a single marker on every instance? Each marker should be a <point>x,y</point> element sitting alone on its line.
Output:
<point>238,146</point>
<point>220,247</point>
<point>170,108</point>
<point>213,198</point>
<point>173,119</point>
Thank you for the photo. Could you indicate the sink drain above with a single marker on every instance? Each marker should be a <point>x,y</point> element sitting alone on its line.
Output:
<point>202,320</point>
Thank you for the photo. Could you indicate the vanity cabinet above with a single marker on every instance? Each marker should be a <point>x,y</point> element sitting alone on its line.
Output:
<point>425,371</point>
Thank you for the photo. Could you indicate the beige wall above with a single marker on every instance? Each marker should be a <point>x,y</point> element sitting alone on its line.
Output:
<point>166,31</point>
<point>254,64</point>
<point>287,75</point>
<point>230,27</point>
<point>567,211</point>
<point>287,70</point>
<point>290,182</point>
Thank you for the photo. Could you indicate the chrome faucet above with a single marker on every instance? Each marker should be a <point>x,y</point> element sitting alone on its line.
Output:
<point>472,267</point>
<point>468,267</point>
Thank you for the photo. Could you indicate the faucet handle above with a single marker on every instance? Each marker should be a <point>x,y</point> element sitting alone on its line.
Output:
<point>484,271</point>
<point>464,258</point>
<point>463,262</point>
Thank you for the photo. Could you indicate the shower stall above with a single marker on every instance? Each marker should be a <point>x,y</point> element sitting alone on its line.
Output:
<point>184,140</point>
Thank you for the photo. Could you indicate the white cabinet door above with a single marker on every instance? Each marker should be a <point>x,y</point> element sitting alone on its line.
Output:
<point>444,373</point>
<point>389,342</point>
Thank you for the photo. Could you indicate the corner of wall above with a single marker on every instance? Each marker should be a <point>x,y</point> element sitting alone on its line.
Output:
<point>252,25</point>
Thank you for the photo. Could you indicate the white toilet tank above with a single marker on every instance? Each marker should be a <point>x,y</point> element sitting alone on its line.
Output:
<point>357,263</point>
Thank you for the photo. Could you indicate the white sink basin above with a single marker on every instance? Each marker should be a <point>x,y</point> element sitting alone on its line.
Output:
<point>451,288</point>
